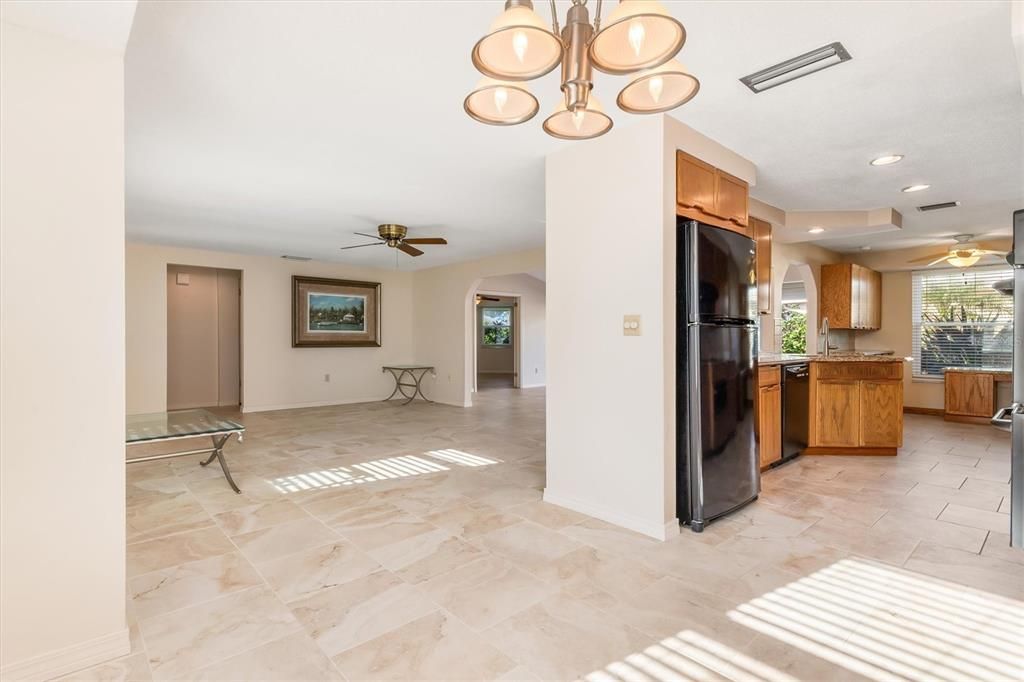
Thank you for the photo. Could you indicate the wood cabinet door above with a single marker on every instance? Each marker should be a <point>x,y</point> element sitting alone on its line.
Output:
<point>769,408</point>
<point>970,394</point>
<point>763,240</point>
<point>695,183</point>
<point>875,300</point>
<point>881,414</point>
<point>836,302</point>
<point>731,199</point>
<point>837,414</point>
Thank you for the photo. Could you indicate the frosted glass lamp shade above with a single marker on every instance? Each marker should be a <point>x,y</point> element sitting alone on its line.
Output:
<point>501,103</point>
<point>638,34</point>
<point>584,125</point>
<point>659,89</point>
<point>964,261</point>
<point>517,47</point>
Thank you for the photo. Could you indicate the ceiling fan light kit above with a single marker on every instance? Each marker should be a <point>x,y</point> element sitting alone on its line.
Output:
<point>963,254</point>
<point>639,36</point>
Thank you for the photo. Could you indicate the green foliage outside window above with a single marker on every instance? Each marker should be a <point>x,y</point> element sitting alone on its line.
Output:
<point>794,330</point>
<point>497,326</point>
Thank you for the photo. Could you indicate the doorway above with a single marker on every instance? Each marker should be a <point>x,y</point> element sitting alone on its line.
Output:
<point>497,341</point>
<point>204,348</point>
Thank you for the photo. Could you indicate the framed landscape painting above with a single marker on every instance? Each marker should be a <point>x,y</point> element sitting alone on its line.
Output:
<point>335,312</point>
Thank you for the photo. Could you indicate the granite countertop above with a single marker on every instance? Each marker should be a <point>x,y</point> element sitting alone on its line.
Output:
<point>768,359</point>
<point>980,370</point>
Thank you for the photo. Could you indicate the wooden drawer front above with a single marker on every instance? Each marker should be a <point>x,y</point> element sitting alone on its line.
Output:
<point>766,376</point>
<point>970,394</point>
<point>881,414</point>
<point>860,370</point>
<point>837,413</point>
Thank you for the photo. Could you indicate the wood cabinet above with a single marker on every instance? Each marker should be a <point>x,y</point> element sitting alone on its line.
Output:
<point>710,195</point>
<point>762,234</point>
<point>856,408</point>
<point>768,427</point>
<point>851,296</point>
<point>970,394</point>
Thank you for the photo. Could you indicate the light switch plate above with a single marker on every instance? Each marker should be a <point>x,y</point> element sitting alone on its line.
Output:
<point>631,325</point>
<point>182,279</point>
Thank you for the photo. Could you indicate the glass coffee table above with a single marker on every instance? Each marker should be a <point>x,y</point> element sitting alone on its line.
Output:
<point>166,426</point>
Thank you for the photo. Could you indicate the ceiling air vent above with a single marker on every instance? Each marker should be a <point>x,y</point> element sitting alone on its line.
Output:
<point>295,258</point>
<point>797,67</point>
<point>937,207</point>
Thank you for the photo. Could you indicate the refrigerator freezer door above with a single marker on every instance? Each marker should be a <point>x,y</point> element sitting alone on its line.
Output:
<point>724,420</point>
<point>726,275</point>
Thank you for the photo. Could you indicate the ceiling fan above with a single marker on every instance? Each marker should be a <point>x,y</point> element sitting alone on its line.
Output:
<point>393,235</point>
<point>963,254</point>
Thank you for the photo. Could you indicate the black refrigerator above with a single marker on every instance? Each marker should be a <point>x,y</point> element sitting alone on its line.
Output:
<point>716,347</point>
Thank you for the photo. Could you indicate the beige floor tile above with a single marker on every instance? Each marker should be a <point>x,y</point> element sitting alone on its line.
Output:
<point>597,577</point>
<point>997,546</point>
<point>609,538</point>
<point>427,555</point>
<point>938,531</point>
<point>255,517</point>
<point>287,538</point>
<point>561,638</point>
<point>164,514</point>
<point>989,574</point>
<point>976,518</point>
<point>181,642</point>
<point>968,496</point>
<point>292,658</point>
<point>153,555</point>
<point>306,572</point>
<point>347,615</point>
<point>434,647</point>
<point>133,668</point>
<point>893,546</point>
<point>472,519</point>
<point>186,584</point>
<point>527,544</point>
<point>546,514</point>
<point>486,591</point>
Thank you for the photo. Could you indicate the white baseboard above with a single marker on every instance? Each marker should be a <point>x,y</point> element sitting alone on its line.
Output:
<point>316,403</point>
<point>540,385</point>
<point>658,531</point>
<point>69,659</point>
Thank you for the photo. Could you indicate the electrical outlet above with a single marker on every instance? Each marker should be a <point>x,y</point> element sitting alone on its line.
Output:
<point>327,377</point>
<point>631,325</point>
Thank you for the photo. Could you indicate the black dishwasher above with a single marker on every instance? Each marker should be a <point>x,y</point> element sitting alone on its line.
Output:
<point>795,390</point>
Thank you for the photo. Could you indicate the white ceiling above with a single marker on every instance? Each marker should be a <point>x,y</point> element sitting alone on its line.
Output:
<point>281,127</point>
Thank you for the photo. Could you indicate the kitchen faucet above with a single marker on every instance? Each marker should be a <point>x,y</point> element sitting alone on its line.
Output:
<point>825,333</point>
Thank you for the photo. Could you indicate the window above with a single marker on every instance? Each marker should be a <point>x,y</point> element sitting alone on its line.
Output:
<point>497,326</point>
<point>960,320</point>
<point>794,318</point>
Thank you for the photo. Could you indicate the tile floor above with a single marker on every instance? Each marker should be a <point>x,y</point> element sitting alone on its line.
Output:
<point>383,542</point>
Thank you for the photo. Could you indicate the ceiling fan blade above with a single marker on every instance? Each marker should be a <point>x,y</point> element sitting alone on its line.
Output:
<point>371,236</point>
<point>412,251</point>
<point>988,252</point>
<point>939,260</point>
<point>426,240</point>
<point>359,246</point>
<point>928,259</point>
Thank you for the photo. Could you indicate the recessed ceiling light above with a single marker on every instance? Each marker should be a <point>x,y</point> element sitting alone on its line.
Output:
<point>887,160</point>
<point>915,188</point>
<point>816,230</point>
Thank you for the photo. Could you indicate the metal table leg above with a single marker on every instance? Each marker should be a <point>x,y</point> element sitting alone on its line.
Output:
<point>218,452</point>
<point>400,386</point>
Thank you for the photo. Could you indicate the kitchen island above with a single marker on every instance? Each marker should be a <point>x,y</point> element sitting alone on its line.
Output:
<point>855,403</point>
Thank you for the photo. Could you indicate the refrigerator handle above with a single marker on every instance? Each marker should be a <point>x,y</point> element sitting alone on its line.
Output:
<point>692,276</point>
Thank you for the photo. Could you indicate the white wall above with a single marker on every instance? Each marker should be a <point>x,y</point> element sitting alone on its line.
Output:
<point>611,398</point>
<point>62,478</point>
<point>532,294</point>
<point>274,375</point>
<point>444,317</point>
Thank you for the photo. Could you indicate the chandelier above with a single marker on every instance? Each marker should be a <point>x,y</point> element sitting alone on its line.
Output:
<point>639,38</point>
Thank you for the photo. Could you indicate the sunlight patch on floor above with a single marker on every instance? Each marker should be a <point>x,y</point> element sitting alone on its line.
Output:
<point>889,624</point>
<point>688,655</point>
<point>401,466</point>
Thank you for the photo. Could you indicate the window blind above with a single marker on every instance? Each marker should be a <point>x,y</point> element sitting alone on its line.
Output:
<point>959,320</point>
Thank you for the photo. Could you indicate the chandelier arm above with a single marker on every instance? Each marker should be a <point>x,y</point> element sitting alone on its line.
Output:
<point>554,21</point>
<point>597,18</point>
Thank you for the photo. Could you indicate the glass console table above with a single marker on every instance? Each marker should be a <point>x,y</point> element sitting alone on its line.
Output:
<point>166,426</point>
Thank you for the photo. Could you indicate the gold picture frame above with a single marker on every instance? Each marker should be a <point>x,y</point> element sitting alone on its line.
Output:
<point>331,313</point>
